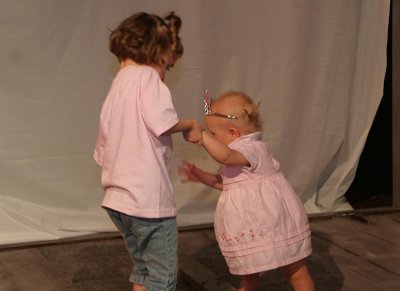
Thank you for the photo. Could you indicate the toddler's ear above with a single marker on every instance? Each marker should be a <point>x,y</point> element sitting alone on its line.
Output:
<point>234,132</point>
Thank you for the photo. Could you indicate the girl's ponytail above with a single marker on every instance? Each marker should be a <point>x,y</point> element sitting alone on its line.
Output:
<point>174,24</point>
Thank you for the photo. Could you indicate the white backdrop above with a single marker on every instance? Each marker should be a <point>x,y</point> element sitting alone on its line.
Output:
<point>316,66</point>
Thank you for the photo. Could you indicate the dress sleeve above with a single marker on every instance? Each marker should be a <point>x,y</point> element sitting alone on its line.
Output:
<point>156,105</point>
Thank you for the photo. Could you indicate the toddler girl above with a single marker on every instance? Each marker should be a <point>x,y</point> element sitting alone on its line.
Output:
<point>134,147</point>
<point>260,224</point>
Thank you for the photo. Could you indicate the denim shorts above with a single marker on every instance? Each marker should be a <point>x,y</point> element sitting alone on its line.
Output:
<point>152,245</point>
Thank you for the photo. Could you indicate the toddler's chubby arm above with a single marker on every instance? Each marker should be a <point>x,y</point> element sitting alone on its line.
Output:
<point>191,173</point>
<point>222,153</point>
<point>190,128</point>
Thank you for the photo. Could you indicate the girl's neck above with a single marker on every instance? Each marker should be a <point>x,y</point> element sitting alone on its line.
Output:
<point>127,62</point>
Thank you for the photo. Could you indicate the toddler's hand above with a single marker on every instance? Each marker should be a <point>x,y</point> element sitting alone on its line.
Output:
<point>189,172</point>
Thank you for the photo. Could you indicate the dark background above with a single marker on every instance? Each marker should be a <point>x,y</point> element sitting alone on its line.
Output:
<point>372,185</point>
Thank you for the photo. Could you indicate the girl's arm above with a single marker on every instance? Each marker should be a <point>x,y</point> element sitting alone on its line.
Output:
<point>190,128</point>
<point>193,174</point>
<point>222,153</point>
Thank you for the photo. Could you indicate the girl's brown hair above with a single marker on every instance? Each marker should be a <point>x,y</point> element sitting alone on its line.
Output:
<point>147,39</point>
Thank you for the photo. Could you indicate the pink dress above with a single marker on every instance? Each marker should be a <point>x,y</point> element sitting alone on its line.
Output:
<point>260,223</point>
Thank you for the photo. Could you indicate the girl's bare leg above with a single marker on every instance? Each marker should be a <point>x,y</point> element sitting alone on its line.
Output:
<point>250,282</point>
<point>299,276</point>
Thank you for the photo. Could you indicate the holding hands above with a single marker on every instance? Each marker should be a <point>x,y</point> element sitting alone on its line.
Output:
<point>194,133</point>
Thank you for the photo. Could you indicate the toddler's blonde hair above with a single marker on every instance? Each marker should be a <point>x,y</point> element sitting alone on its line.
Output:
<point>242,106</point>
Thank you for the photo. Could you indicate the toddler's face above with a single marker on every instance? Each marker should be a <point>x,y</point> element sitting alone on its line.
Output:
<point>219,129</point>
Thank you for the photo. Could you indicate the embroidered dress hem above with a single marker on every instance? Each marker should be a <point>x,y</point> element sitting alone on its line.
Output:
<point>260,246</point>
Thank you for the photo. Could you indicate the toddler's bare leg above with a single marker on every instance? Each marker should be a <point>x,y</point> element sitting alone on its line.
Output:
<point>250,282</point>
<point>137,287</point>
<point>299,276</point>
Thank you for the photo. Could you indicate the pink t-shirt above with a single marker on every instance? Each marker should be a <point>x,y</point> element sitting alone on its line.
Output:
<point>130,149</point>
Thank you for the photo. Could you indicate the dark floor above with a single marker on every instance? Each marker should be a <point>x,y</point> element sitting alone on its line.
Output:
<point>351,252</point>
<point>99,264</point>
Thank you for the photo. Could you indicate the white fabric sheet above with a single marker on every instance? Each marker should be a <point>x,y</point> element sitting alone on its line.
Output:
<point>316,66</point>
